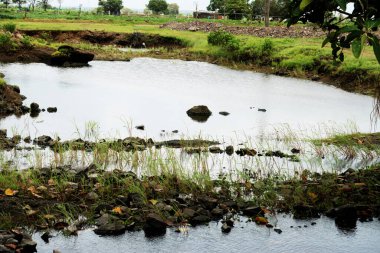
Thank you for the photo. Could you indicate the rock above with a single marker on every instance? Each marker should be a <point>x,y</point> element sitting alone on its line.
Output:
<point>277,230</point>
<point>28,246</point>
<point>193,29</point>
<point>253,211</point>
<point>92,196</point>
<point>305,211</point>
<point>140,127</point>
<point>313,223</point>
<point>67,56</point>
<point>27,139</point>
<point>246,151</point>
<point>44,141</point>
<point>175,131</point>
<point>295,151</point>
<point>109,225</point>
<point>45,237</point>
<point>224,113</point>
<point>229,150</point>
<point>154,225</point>
<point>34,109</point>
<point>262,110</point>
<point>225,228</point>
<point>4,249</point>
<point>208,203</point>
<point>52,109</point>
<point>200,219</point>
<point>217,212</point>
<point>199,113</point>
<point>215,150</point>
<point>188,213</point>
<point>345,216</point>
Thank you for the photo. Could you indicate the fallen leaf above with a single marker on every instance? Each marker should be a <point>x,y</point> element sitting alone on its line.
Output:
<point>153,201</point>
<point>117,210</point>
<point>51,182</point>
<point>10,192</point>
<point>31,212</point>
<point>261,220</point>
<point>49,216</point>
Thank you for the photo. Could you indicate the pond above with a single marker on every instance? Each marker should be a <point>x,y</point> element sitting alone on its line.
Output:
<point>118,96</point>
<point>245,237</point>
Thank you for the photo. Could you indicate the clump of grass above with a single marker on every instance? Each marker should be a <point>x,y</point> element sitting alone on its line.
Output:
<point>224,39</point>
<point>9,27</point>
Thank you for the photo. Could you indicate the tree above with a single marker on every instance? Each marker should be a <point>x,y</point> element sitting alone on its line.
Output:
<point>32,4</point>
<point>278,8</point>
<point>44,4</point>
<point>19,3</point>
<point>59,4</point>
<point>158,6</point>
<point>6,2</point>
<point>354,30</point>
<point>236,9</point>
<point>111,7</point>
<point>173,9</point>
<point>267,12</point>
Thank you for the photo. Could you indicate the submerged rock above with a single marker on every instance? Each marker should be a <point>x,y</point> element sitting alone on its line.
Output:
<point>51,109</point>
<point>224,113</point>
<point>109,225</point>
<point>229,150</point>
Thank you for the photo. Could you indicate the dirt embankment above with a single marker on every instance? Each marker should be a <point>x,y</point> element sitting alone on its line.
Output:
<point>134,40</point>
<point>273,31</point>
<point>11,101</point>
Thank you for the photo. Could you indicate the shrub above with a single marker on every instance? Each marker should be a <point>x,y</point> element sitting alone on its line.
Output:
<point>224,39</point>
<point>9,27</point>
<point>26,42</point>
<point>6,42</point>
<point>266,48</point>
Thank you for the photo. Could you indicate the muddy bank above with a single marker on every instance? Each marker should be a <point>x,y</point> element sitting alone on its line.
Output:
<point>134,40</point>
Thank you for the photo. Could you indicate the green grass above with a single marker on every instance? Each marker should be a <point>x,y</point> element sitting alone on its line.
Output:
<point>369,141</point>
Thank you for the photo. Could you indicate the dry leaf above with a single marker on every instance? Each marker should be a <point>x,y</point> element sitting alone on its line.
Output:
<point>261,220</point>
<point>153,201</point>
<point>117,210</point>
<point>10,192</point>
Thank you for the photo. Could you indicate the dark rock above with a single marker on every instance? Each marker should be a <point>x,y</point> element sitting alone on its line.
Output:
<point>45,237</point>
<point>27,139</point>
<point>44,141</point>
<point>269,225</point>
<point>226,228</point>
<point>208,203</point>
<point>28,246</point>
<point>109,225</point>
<point>188,213</point>
<point>52,109</point>
<point>154,225</point>
<point>199,113</point>
<point>34,109</point>
<point>175,131</point>
<point>313,223</point>
<point>345,216</point>
<point>229,150</point>
<point>224,113</point>
<point>277,230</point>
<point>217,212</point>
<point>246,151</point>
<point>200,219</point>
<point>253,211</point>
<point>141,127</point>
<point>215,150</point>
<point>295,151</point>
<point>304,211</point>
<point>4,249</point>
<point>262,110</point>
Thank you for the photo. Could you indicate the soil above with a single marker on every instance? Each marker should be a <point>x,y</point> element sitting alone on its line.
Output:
<point>134,40</point>
<point>37,54</point>
<point>11,101</point>
<point>267,32</point>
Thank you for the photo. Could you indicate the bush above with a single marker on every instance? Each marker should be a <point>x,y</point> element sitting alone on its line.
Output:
<point>9,27</point>
<point>6,42</point>
<point>267,48</point>
<point>26,42</point>
<point>2,82</point>
<point>224,39</point>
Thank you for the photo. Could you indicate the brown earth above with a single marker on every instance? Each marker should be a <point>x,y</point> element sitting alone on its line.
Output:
<point>40,54</point>
<point>134,40</point>
<point>11,101</point>
<point>272,32</point>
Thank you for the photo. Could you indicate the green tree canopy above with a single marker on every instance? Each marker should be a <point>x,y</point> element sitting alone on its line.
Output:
<point>235,9</point>
<point>158,6</point>
<point>279,8</point>
<point>352,30</point>
<point>111,7</point>
<point>173,9</point>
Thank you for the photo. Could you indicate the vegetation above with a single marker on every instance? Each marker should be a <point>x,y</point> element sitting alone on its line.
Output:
<point>353,30</point>
<point>9,27</point>
<point>111,7</point>
<point>158,6</point>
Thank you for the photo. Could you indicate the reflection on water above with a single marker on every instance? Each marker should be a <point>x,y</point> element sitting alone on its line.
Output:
<point>244,237</point>
<point>157,93</point>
